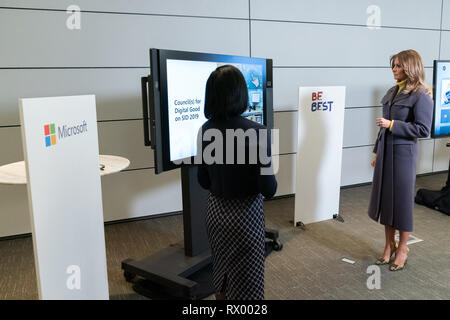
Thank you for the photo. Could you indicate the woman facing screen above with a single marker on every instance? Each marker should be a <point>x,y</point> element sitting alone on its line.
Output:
<point>235,212</point>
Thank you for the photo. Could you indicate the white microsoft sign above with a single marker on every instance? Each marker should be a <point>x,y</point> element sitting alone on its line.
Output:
<point>62,160</point>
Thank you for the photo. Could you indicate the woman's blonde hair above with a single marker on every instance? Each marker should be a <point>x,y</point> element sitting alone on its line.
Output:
<point>412,65</point>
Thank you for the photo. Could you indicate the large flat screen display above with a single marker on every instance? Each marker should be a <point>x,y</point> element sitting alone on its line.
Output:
<point>441,95</point>
<point>177,94</point>
<point>186,82</point>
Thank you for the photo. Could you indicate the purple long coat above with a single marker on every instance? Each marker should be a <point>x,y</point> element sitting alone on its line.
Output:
<point>394,177</point>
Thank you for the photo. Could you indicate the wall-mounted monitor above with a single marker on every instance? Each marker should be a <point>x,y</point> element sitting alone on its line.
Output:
<point>441,96</point>
<point>176,94</point>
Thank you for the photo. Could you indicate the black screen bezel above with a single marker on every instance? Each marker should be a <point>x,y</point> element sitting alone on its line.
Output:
<point>435,66</point>
<point>162,148</point>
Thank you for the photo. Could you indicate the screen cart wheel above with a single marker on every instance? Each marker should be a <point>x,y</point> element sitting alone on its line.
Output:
<point>273,243</point>
<point>277,245</point>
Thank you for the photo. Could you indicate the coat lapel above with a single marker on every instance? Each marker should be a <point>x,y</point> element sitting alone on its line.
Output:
<point>401,96</point>
<point>389,96</point>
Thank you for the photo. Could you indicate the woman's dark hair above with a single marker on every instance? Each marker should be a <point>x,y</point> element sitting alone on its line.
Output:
<point>226,93</point>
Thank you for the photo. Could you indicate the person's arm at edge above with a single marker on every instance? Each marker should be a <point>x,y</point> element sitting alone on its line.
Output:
<point>202,170</point>
<point>267,184</point>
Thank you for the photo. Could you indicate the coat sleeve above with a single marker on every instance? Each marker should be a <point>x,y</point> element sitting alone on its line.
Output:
<point>421,126</point>
<point>203,177</point>
<point>267,184</point>
<point>202,171</point>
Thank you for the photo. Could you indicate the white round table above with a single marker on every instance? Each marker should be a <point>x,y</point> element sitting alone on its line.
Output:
<point>14,173</point>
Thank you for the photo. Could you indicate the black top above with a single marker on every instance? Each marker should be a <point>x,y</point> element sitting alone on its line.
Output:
<point>232,179</point>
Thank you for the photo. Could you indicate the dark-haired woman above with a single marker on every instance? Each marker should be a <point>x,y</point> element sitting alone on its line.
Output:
<point>235,214</point>
<point>407,115</point>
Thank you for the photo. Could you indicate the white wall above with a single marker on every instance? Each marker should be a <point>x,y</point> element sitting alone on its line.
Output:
<point>323,42</point>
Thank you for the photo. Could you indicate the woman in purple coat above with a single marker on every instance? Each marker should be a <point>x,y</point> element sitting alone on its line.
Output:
<point>407,115</point>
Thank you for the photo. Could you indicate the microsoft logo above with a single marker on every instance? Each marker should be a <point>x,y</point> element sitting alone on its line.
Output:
<point>50,134</point>
<point>64,131</point>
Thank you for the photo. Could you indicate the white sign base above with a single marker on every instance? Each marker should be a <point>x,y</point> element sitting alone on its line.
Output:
<point>64,192</point>
<point>319,153</point>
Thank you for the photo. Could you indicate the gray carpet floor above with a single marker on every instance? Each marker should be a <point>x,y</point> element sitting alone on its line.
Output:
<point>310,265</point>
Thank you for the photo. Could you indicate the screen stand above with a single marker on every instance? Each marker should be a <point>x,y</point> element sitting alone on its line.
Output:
<point>177,272</point>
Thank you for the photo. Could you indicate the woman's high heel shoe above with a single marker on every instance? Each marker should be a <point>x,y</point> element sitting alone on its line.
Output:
<point>380,261</point>
<point>396,267</point>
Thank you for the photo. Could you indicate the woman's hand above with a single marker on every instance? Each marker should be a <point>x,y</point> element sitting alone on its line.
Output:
<point>374,160</point>
<point>382,122</point>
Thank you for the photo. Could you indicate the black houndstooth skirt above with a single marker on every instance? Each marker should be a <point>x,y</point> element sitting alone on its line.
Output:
<point>236,234</point>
